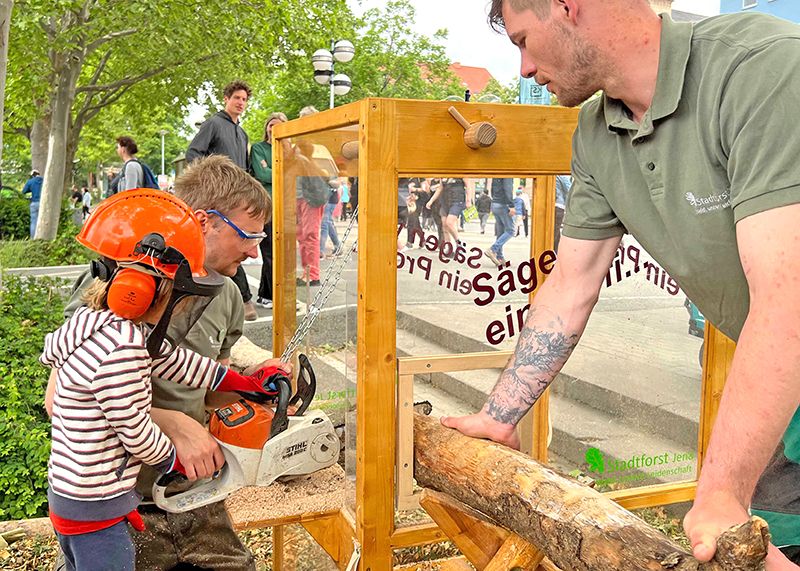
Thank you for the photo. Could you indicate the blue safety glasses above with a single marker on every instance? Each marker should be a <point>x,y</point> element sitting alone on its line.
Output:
<point>257,237</point>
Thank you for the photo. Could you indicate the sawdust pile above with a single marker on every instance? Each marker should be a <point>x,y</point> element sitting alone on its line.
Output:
<point>319,492</point>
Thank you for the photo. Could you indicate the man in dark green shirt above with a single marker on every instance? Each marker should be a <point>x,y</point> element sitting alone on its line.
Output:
<point>692,150</point>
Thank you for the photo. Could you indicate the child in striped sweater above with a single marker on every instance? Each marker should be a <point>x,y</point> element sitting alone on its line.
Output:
<point>105,356</point>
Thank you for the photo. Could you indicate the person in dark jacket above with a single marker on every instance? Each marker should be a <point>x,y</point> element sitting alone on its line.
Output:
<point>34,188</point>
<point>221,134</point>
<point>484,205</point>
<point>502,190</point>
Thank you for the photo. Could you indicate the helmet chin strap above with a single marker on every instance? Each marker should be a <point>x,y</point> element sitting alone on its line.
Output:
<point>183,285</point>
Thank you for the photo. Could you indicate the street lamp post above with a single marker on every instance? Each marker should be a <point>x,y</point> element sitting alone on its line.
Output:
<point>324,73</point>
<point>162,132</point>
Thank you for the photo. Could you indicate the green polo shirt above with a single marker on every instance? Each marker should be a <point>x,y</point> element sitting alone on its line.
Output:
<point>718,144</point>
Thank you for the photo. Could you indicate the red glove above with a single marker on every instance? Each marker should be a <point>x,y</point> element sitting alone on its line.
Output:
<point>264,380</point>
<point>176,466</point>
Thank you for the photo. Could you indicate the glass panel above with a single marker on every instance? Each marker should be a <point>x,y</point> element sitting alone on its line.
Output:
<point>452,298</point>
<point>322,270</point>
<point>625,408</point>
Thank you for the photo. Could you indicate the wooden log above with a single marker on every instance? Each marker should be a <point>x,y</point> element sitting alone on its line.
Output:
<point>576,527</point>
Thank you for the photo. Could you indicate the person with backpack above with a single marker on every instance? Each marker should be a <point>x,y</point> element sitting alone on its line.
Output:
<point>134,173</point>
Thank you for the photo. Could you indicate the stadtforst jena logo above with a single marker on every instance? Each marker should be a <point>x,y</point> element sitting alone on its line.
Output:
<point>638,466</point>
<point>595,460</point>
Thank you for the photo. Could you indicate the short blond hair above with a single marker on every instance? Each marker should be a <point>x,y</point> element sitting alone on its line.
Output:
<point>308,110</point>
<point>216,183</point>
<point>272,116</point>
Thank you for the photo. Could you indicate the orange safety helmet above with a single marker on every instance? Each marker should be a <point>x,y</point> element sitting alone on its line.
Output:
<point>143,235</point>
<point>118,225</point>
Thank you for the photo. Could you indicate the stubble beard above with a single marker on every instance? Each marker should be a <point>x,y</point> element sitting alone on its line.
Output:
<point>581,77</point>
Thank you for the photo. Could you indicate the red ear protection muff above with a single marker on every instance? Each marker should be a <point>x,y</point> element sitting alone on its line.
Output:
<point>131,293</point>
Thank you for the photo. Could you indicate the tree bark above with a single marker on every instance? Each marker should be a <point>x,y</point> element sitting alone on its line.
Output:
<point>54,172</point>
<point>576,527</point>
<point>5,26</point>
<point>69,158</point>
<point>38,135</point>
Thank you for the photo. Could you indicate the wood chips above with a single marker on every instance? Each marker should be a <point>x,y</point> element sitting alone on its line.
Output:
<point>288,502</point>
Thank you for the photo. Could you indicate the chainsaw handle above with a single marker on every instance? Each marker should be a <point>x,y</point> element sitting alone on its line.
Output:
<point>306,385</point>
<point>263,398</point>
<point>280,421</point>
<point>201,492</point>
<point>168,478</point>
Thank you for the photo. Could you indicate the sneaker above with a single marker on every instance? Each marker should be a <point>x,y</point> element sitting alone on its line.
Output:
<point>264,302</point>
<point>250,313</point>
<point>492,256</point>
<point>314,283</point>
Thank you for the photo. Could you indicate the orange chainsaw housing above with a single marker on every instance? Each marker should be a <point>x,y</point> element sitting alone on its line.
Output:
<point>243,424</point>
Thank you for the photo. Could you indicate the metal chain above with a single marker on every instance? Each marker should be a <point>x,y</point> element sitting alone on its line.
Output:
<point>333,274</point>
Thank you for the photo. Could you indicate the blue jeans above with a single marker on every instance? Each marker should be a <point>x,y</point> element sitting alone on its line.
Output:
<point>328,229</point>
<point>504,227</point>
<point>34,217</point>
<point>109,548</point>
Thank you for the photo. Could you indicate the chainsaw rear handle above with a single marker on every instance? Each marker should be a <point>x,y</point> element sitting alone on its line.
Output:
<point>168,478</point>
<point>202,493</point>
<point>306,389</point>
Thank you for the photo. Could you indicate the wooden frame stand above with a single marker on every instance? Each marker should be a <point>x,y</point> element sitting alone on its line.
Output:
<point>378,140</point>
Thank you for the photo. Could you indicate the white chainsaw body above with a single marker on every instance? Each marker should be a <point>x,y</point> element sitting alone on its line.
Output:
<point>308,444</point>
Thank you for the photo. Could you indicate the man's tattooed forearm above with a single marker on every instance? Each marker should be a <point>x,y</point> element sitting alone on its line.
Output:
<point>539,356</point>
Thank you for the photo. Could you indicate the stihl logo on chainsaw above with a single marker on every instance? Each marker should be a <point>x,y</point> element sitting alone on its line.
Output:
<point>295,449</point>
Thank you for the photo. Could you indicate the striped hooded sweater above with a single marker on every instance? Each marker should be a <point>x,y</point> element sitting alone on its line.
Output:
<point>101,426</point>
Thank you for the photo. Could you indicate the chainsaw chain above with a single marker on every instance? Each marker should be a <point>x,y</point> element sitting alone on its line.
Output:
<point>333,273</point>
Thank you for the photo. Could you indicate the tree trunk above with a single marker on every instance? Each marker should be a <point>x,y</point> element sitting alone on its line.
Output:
<point>5,26</point>
<point>69,159</point>
<point>53,187</point>
<point>39,134</point>
<point>577,528</point>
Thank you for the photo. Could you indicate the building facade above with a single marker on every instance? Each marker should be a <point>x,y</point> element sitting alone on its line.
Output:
<point>787,9</point>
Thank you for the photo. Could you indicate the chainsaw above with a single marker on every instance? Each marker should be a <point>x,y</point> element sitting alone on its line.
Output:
<point>261,442</point>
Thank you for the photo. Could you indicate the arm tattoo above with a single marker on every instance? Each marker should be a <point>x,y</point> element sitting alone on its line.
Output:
<point>542,350</point>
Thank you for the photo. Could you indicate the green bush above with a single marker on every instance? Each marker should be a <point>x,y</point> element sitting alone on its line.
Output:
<point>15,218</point>
<point>29,309</point>
<point>63,251</point>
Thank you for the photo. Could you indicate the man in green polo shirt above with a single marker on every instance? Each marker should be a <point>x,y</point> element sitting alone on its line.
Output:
<point>692,150</point>
<point>202,538</point>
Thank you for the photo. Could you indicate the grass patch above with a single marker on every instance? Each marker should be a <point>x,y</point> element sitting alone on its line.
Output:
<point>63,251</point>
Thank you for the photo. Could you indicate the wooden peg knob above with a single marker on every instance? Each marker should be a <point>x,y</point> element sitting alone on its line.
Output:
<point>476,135</point>
<point>350,150</point>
